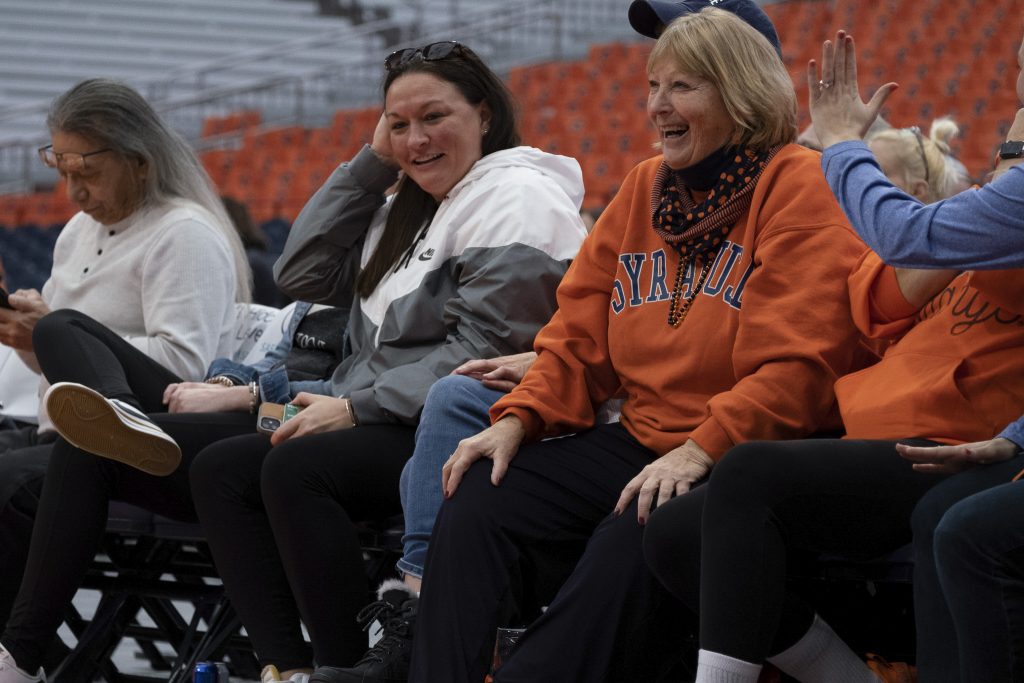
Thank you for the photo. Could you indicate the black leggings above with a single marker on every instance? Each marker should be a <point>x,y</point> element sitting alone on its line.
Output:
<point>23,459</point>
<point>280,522</point>
<point>78,486</point>
<point>72,347</point>
<point>764,500</point>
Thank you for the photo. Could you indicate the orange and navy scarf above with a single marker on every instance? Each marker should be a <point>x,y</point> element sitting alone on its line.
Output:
<point>697,230</point>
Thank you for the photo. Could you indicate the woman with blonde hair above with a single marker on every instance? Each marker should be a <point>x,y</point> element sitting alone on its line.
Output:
<point>918,165</point>
<point>707,295</point>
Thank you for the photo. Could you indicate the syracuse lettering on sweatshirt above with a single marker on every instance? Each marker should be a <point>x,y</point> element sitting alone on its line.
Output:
<point>756,356</point>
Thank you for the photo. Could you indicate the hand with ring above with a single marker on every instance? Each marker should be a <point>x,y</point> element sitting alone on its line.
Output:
<point>837,111</point>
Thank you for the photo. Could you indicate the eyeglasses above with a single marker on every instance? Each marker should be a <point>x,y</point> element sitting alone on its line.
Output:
<point>69,162</point>
<point>920,145</point>
<point>427,53</point>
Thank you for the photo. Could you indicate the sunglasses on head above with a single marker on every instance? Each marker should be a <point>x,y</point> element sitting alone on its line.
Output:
<point>920,146</point>
<point>427,53</point>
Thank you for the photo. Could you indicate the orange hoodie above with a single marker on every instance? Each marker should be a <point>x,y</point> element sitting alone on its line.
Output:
<point>956,373</point>
<point>759,351</point>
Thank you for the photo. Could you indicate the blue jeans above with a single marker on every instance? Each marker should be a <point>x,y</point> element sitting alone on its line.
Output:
<point>456,408</point>
<point>969,577</point>
<point>979,550</point>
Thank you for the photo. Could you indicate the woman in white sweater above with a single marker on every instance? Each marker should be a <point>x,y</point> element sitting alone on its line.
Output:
<point>145,277</point>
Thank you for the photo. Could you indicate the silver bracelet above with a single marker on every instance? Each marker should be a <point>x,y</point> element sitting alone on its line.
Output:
<point>254,397</point>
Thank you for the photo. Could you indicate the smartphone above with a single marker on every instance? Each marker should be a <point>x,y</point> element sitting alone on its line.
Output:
<point>4,303</point>
<point>273,415</point>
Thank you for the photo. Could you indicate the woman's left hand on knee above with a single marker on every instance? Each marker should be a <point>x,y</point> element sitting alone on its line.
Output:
<point>499,442</point>
<point>670,475</point>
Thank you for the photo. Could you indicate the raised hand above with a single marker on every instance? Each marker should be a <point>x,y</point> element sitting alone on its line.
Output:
<point>837,110</point>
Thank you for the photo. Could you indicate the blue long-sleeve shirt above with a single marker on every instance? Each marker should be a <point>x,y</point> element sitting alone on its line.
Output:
<point>980,229</point>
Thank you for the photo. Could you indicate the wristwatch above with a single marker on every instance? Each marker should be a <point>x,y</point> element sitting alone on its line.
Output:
<point>1011,149</point>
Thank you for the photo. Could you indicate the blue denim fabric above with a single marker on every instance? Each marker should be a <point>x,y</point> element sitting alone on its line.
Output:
<point>270,371</point>
<point>1014,432</point>
<point>979,553</point>
<point>969,576</point>
<point>456,408</point>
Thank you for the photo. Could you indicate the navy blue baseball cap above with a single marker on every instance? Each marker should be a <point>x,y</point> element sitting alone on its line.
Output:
<point>650,17</point>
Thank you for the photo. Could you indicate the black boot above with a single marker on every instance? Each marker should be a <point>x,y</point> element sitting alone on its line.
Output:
<point>388,660</point>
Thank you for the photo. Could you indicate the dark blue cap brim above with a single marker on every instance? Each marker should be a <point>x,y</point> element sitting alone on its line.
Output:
<point>650,17</point>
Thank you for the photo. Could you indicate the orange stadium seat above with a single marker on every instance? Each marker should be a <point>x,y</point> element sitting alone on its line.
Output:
<point>231,123</point>
<point>949,57</point>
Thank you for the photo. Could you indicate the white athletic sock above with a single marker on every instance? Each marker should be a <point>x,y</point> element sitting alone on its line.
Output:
<point>713,667</point>
<point>821,656</point>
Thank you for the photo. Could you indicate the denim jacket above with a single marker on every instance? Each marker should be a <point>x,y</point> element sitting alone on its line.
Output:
<point>270,371</point>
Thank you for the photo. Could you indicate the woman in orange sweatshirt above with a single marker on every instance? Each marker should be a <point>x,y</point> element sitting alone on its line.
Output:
<point>712,297</point>
<point>953,372</point>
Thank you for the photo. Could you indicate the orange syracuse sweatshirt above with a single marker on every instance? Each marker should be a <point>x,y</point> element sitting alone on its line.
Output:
<point>759,351</point>
<point>955,373</point>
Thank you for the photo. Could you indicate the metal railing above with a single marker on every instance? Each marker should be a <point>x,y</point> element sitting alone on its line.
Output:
<point>504,35</point>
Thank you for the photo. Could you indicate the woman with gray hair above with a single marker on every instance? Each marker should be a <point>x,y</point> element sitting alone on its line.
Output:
<point>145,277</point>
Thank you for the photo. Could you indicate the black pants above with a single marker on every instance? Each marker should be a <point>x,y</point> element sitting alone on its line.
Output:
<point>24,455</point>
<point>764,500</point>
<point>280,522</point>
<point>78,486</point>
<point>500,550</point>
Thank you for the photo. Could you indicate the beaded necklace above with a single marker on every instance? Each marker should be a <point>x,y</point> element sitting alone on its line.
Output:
<point>699,229</point>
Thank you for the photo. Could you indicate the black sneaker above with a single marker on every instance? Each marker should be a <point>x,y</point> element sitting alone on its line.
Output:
<point>388,660</point>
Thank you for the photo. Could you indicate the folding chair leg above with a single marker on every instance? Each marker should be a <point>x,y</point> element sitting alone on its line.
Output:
<point>99,639</point>
<point>222,624</point>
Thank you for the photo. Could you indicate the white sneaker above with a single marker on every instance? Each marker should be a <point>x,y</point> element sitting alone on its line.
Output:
<point>9,673</point>
<point>110,428</point>
<point>270,674</point>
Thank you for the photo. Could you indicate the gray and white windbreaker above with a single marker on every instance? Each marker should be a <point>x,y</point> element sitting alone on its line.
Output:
<point>480,283</point>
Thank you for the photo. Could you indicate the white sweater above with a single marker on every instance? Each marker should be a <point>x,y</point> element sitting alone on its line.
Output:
<point>163,278</point>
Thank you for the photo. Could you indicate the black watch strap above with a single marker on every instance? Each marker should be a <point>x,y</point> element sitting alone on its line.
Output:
<point>1011,149</point>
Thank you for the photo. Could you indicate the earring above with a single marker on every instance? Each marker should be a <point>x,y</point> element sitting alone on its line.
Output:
<point>484,131</point>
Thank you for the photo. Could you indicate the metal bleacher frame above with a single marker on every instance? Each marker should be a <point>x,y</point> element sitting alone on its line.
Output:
<point>147,567</point>
<point>158,585</point>
<point>504,33</point>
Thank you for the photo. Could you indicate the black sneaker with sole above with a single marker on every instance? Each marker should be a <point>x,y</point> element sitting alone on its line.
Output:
<point>388,660</point>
